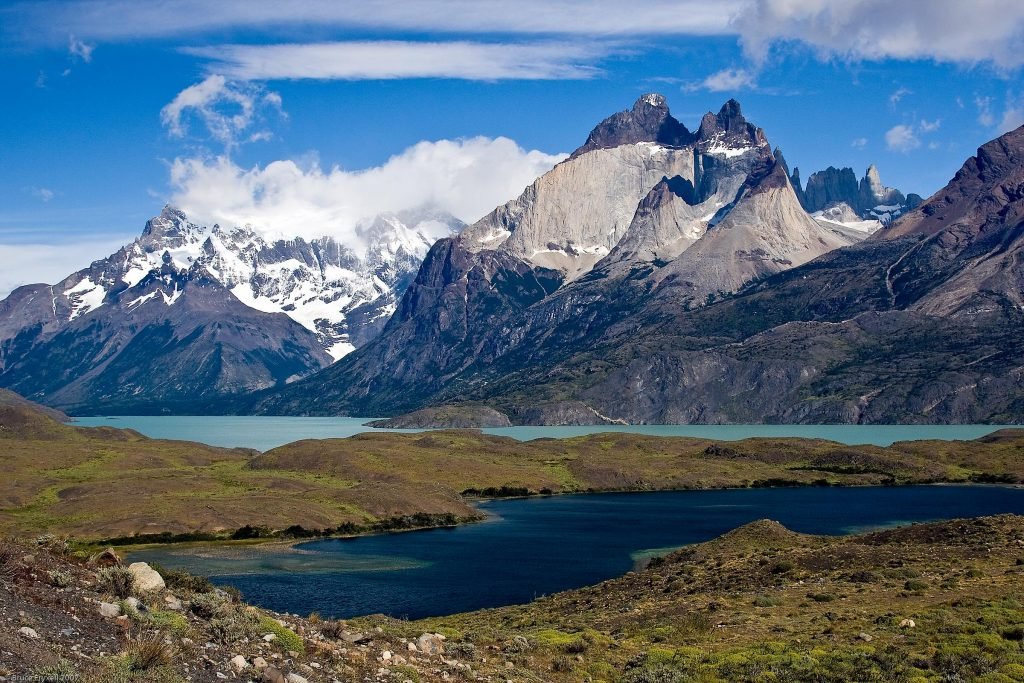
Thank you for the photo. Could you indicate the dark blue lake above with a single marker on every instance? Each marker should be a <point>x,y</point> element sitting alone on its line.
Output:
<point>536,546</point>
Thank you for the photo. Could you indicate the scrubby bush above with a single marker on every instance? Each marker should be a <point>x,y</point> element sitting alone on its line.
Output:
<point>577,646</point>
<point>148,652</point>
<point>207,605</point>
<point>59,578</point>
<point>654,674</point>
<point>460,650</point>
<point>915,585</point>
<point>562,663</point>
<point>783,567</point>
<point>116,581</point>
<point>286,638</point>
<point>767,601</point>
<point>516,645</point>
<point>236,623</point>
<point>179,579</point>
<point>333,629</point>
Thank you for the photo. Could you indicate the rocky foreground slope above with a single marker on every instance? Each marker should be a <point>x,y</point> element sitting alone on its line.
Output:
<point>926,603</point>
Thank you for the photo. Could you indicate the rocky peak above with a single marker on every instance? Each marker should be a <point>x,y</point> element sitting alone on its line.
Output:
<point>648,121</point>
<point>170,229</point>
<point>873,193</point>
<point>729,125</point>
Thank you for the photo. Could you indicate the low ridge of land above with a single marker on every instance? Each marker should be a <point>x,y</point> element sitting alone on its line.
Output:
<point>105,483</point>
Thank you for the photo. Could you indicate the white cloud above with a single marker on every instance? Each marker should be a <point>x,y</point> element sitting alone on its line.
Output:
<point>899,94</point>
<point>44,194</point>
<point>901,138</point>
<point>1013,117</point>
<point>984,105</point>
<point>929,126</point>
<point>131,19</point>
<point>943,30</point>
<point>23,264</point>
<point>79,49</point>
<point>389,59</point>
<point>465,177</point>
<point>859,143</point>
<point>726,80</point>
<point>226,109</point>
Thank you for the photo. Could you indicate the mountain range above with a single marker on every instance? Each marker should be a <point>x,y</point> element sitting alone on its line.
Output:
<point>187,312</point>
<point>664,276</point>
<point>657,275</point>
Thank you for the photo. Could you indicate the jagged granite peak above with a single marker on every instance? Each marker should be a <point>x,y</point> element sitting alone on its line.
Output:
<point>867,197</point>
<point>591,245</point>
<point>728,129</point>
<point>648,120</point>
<point>832,186</point>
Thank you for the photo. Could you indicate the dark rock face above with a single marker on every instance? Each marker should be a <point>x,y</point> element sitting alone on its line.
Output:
<point>832,186</point>
<point>648,121</point>
<point>138,352</point>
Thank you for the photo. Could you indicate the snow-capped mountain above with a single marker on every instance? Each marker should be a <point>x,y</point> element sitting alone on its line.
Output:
<point>249,311</point>
<point>343,293</point>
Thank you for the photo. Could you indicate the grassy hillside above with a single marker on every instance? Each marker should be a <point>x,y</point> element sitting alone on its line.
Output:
<point>928,602</point>
<point>102,482</point>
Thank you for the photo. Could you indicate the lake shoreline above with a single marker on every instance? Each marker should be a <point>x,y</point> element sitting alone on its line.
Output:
<point>272,544</point>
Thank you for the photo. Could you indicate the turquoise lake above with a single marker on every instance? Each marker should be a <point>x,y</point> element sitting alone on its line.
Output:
<point>264,433</point>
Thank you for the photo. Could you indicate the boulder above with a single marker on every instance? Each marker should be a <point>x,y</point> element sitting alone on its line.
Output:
<point>146,578</point>
<point>866,637</point>
<point>238,664</point>
<point>110,610</point>
<point>908,623</point>
<point>273,675</point>
<point>29,633</point>
<point>430,643</point>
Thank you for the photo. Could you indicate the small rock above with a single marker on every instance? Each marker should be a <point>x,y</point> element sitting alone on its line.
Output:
<point>270,637</point>
<point>173,603</point>
<point>259,664</point>
<point>110,610</point>
<point>908,623</point>
<point>238,664</point>
<point>296,678</point>
<point>386,655</point>
<point>411,646</point>
<point>866,637</point>
<point>273,675</point>
<point>146,578</point>
<point>29,633</point>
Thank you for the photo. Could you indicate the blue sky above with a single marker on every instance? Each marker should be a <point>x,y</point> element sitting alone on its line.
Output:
<point>116,107</point>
